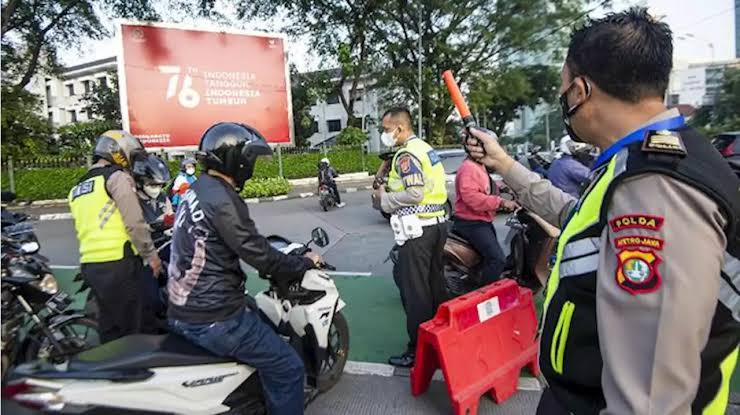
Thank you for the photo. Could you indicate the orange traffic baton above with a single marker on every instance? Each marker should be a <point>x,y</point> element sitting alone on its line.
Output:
<point>481,341</point>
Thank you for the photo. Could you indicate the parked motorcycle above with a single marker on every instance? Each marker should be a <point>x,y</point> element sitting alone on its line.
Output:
<point>36,320</point>
<point>531,241</point>
<point>168,374</point>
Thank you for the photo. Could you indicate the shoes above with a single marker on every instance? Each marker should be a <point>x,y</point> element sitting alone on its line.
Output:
<point>405,360</point>
<point>341,205</point>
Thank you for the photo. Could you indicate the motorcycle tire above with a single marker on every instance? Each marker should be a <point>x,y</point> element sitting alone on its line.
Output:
<point>456,282</point>
<point>36,342</point>
<point>329,377</point>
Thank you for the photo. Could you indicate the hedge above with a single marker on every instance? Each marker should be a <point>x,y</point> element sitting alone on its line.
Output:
<point>44,184</point>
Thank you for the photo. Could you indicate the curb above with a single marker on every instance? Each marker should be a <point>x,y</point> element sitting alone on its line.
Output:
<point>65,216</point>
<point>385,370</point>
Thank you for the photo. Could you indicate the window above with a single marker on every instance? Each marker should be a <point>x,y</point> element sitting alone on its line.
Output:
<point>359,94</point>
<point>673,99</point>
<point>333,99</point>
<point>89,112</point>
<point>51,116</point>
<point>103,82</point>
<point>48,92</point>
<point>86,86</point>
<point>72,115</point>
<point>70,89</point>
<point>314,127</point>
<point>334,125</point>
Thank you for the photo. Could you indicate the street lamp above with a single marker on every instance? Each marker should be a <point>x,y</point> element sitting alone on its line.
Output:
<point>691,36</point>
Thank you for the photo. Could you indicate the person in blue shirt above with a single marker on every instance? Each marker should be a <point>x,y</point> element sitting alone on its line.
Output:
<point>183,181</point>
<point>568,173</point>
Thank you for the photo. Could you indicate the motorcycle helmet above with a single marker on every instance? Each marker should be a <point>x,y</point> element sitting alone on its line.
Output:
<point>118,147</point>
<point>571,148</point>
<point>232,149</point>
<point>185,162</point>
<point>150,170</point>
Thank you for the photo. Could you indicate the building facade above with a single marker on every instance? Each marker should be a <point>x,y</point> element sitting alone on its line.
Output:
<point>61,95</point>
<point>697,84</point>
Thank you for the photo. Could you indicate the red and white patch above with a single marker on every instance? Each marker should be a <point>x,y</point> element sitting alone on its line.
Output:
<point>636,221</point>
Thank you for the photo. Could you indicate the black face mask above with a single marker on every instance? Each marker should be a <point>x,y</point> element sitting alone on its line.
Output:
<point>567,111</point>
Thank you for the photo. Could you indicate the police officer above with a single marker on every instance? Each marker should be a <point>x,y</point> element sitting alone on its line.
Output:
<point>416,197</point>
<point>113,235</point>
<point>640,312</point>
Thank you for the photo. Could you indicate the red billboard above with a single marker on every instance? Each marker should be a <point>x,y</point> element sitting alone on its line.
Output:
<point>176,82</point>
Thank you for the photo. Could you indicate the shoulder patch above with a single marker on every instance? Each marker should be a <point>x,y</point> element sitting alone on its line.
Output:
<point>433,157</point>
<point>637,271</point>
<point>637,241</point>
<point>636,221</point>
<point>664,141</point>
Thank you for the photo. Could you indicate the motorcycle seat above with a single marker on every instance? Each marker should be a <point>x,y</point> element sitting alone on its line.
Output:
<point>140,351</point>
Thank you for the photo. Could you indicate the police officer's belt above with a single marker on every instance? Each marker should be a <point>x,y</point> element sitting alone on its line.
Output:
<point>413,210</point>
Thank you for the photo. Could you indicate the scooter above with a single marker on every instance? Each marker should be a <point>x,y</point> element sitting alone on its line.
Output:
<point>327,198</point>
<point>168,374</point>
<point>531,241</point>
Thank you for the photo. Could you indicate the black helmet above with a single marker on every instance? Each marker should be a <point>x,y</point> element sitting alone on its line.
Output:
<point>118,147</point>
<point>232,149</point>
<point>150,170</point>
<point>185,162</point>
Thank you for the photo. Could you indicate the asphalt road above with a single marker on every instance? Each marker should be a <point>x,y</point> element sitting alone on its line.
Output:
<point>359,236</point>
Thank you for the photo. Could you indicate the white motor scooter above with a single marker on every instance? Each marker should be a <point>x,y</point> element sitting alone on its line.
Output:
<point>167,374</point>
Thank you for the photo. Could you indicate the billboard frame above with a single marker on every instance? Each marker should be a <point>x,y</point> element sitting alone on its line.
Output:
<point>121,66</point>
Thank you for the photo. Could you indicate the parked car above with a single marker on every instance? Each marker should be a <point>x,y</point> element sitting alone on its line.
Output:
<point>729,146</point>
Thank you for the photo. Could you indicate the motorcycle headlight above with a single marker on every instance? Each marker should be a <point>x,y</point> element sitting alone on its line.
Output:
<point>48,284</point>
<point>30,247</point>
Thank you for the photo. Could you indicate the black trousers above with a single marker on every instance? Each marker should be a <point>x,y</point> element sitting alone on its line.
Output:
<point>333,186</point>
<point>118,287</point>
<point>482,236</point>
<point>418,275</point>
<point>549,405</point>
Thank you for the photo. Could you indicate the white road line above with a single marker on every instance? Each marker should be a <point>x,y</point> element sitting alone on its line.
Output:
<point>351,189</point>
<point>252,200</point>
<point>276,198</point>
<point>64,266</point>
<point>55,216</point>
<point>305,195</point>
<point>348,274</point>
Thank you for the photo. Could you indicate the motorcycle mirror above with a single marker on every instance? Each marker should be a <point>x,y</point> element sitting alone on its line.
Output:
<point>320,237</point>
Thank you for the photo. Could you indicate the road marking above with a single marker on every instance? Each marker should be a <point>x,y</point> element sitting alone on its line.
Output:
<point>276,198</point>
<point>55,216</point>
<point>252,200</point>
<point>351,189</point>
<point>368,188</point>
<point>305,195</point>
<point>64,266</point>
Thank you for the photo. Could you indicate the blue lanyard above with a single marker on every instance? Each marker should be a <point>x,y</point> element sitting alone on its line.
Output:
<point>638,135</point>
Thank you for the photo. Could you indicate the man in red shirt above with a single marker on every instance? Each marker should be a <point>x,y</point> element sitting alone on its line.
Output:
<point>475,208</point>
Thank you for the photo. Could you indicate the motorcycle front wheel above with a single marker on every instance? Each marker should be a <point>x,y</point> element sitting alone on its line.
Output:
<point>74,335</point>
<point>337,352</point>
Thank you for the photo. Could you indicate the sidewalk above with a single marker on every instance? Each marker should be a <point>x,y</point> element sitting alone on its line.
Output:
<point>300,188</point>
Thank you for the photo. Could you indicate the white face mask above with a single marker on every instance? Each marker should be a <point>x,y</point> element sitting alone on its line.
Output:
<point>388,139</point>
<point>152,191</point>
<point>190,171</point>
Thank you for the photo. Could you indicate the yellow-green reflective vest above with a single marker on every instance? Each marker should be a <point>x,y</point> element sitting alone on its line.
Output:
<point>99,225</point>
<point>435,192</point>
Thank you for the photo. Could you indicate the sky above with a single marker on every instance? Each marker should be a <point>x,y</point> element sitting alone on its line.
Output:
<point>696,25</point>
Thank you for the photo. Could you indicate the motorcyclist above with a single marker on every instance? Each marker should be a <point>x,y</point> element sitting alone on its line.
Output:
<point>568,173</point>
<point>151,175</point>
<point>183,181</point>
<point>326,177</point>
<point>213,231</point>
<point>113,234</point>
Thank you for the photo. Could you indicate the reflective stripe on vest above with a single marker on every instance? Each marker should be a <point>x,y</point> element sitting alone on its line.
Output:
<point>435,192</point>
<point>728,290</point>
<point>99,225</point>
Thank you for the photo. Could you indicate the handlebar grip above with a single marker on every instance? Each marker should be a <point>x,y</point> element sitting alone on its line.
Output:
<point>328,267</point>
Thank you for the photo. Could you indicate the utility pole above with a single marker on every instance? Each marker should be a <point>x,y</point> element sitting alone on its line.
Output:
<point>547,125</point>
<point>419,58</point>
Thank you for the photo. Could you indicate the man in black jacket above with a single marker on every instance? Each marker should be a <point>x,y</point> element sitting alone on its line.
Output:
<point>213,231</point>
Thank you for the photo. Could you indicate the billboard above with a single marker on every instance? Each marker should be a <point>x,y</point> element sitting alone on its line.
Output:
<point>175,82</point>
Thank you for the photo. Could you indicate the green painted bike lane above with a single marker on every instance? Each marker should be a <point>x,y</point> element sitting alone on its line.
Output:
<point>377,324</point>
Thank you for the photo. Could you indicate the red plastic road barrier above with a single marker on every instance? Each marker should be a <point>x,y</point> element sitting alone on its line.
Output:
<point>481,340</point>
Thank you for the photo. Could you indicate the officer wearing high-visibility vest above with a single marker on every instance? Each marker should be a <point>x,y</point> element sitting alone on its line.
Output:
<point>113,235</point>
<point>416,198</point>
<point>641,308</point>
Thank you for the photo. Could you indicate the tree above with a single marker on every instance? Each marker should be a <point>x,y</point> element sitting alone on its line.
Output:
<point>470,37</point>
<point>79,138</point>
<point>724,115</point>
<point>104,100</point>
<point>24,131</point>
<point>351,136</point>
<point>338,30</point>
<point>306,89</point>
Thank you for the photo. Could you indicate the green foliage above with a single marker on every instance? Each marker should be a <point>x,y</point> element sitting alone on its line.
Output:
<point>351,136</point>
<point>725,114</point>
<point>273,186</point>
<point>306,89</point>
<point>104,101</point>
<point>44,184</point>
<point>299,166</point>
<point>23,131</point>
<point>79,138</point>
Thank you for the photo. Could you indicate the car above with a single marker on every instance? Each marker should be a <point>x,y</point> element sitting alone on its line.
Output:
<point>728,145</point>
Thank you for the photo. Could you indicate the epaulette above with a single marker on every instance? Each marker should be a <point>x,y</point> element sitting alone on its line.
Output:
<point>664,141</point>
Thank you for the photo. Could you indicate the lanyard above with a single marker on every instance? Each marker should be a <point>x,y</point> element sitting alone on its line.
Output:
<point>638,135</point>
